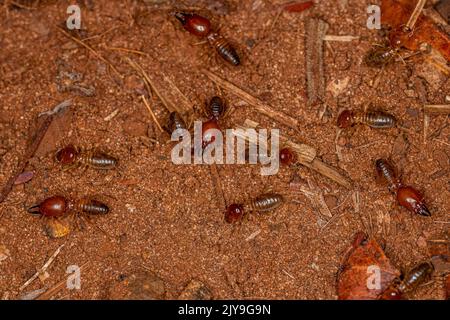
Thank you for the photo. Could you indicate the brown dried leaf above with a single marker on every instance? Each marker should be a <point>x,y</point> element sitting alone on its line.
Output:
<point>56,132</point>
<point>354,273</point>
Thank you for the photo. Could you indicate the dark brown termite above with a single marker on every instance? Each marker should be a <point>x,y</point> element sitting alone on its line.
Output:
<point>216,108</point>
<point>201,27</point>
<point>418,275</point>
<point>380,56</point>
<point>59,206</point>
<point>374,119</point>
<point>263,203</point>
<point>71,156</point>
<point>407,196</point>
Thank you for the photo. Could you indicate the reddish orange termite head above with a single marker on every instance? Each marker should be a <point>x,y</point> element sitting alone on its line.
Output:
<point>195,24</point>
<point>391,293</point>
<point>412,200</point>
<point>209,136</point>
<point>234,213</point>
<point>287,157</point>
<point>55,206</point>
<point>67,155</point>
<point>345,119</point>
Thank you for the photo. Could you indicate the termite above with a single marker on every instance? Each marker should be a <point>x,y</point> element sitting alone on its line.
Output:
<point>288,156</point>
<point>418,275</point>
<point>71,156</point>
<point>59,206</point>
<point>407,196</point>
<point>201,27</point>
<point>224,48</point>
<point>374,119</point>
<point>263,203</point>
<point>175,122</point>
<point>215,111</point>
<point>380,56</point>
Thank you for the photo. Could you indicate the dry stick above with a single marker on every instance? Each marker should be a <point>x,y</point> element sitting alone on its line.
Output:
<point>437,108</point>
<point>255,102</point>
<point>151,113</point>
<point>91,50</point>
<point>185,100</point>
<point>44,267</point>
<point>150,85</point>
<point>31,149</point>
<point>306,155</point>
<point>128,50</point>
<point>330,37</point>
<point>415,15</point>
<point>316,30</point>
<point>58,287</point>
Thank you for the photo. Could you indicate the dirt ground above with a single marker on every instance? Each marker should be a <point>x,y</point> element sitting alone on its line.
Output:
<point>165,218</point>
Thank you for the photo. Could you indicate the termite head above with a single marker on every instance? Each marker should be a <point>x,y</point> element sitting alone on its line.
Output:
<point>391,293</point>
<point>195,24</point>
<point>51,207</point>
<point>345,119</point>
<point>208,134</point>
<point>287,157</point>
<point>67,155</point>
<point>234,213</point>
<point>412,200</point>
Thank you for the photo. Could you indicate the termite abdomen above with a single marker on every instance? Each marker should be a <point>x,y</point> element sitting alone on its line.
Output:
<point>55,206</point>
<point>379,57</point>
<point>377,119</point>
<point>216,108</point>
<point>387,171</point>
<point>412,200</point>
<point>195,24</point>
<point>100,160</point>
<point>91,207</point>
<point>266,202</point>
<point>224,48</point>
<point>175,122</point>
<point>416,276</point>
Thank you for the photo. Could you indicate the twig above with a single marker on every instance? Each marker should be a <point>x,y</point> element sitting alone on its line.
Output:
<point>415,15</point>
<point>340,38</point>
<point>58,287</point>
<point>426,123</point>
<point>253,101</point>
<point>437,108</point>
<point>95,53</point>
<point>112,115</point>
<point>128,50</point>
<point>43,269</point>
<point>188,104</point>
<point>151,113</point>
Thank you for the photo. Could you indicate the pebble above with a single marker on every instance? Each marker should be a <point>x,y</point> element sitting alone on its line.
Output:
<point>195,290</point>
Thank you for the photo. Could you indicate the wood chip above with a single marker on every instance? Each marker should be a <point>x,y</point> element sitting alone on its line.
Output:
<point>316,30</point>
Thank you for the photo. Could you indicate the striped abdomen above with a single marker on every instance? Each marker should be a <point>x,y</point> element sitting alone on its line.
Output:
<point>98,160</point>
<point>91,207</point>
<point>266,202</point>
<point>224,48</point>
<point>376,119</point>
<point>416,276</point>
<point>216,107</point>
<point>385,169</point>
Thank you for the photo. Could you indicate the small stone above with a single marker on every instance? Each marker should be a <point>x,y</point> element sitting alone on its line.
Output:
<point>410,93</point>
<point>57,228</point>
<point>195,290</point>
<point>146,286</point>
<point>422,242</point>
<point>412,112</point>
<point>337,87</point>
<point>331,201</point>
